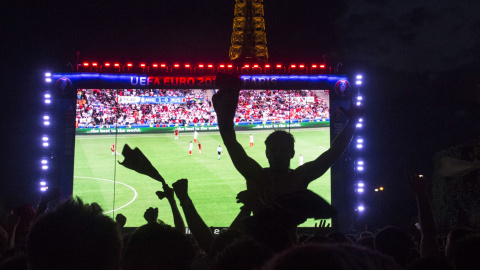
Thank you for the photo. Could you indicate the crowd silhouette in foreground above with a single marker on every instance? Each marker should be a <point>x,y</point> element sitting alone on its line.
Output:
<point>75,235</point>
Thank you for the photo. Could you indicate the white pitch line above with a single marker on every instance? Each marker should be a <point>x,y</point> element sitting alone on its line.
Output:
<point>134,191</point>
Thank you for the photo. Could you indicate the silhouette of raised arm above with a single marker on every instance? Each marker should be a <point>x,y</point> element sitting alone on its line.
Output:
<point>225,104</point>
<point>316,168</point>
<point>428,242</point>
<point>177,218</point>
<point>197,226</point>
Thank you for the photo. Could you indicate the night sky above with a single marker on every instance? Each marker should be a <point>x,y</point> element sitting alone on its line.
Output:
<point>420,61</point>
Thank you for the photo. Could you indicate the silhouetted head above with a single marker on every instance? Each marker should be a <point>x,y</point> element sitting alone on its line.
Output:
<point>453,237</point>
<point>465,254</point>
<point>280,149</point>
<point>74,236</point>
<point>157,246</point>
<point>394,242</point>
<point>330,257</point>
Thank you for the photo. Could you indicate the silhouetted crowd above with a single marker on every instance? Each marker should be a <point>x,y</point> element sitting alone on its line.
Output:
<point>74,235</point>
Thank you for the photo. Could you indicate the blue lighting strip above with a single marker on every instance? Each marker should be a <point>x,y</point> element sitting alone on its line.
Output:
<point>361,185</point>
<point>45,139</point>
<point>151,81</point>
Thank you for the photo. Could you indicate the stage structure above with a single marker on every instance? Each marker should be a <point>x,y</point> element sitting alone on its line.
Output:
<point>249,39</point>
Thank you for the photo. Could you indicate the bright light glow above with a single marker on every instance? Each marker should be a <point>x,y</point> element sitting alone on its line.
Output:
<point>279,66</point>
<point>230,66</point>
<point>222,66</point>
<point>255,66</point>
<point>302,66</point>
<point>187,65</point>
<point>43,189</point>
<point>163,65</point>
<point>359,98</point>
<point>381,188</point>
<point>359,77</point>
<point>314,66</point>
<point>94,64</point>
<point>142,65</point>
<point>116,64</point>
<point>155,65</point>
<point>360,162</point>
<point>359,140</point>
<point>267,66</point>
<point>247,66</point>
<point>360,168</point>
<point>359,146</point>
<point>376,190</point>
<point>176,65</point>
<point>359,125</point>
<point>48,101</point>
<point>360,190</point>
<point>293,66</point>
<point>45,138</point>
<point>107,64</point>
<point>46,117</point>
<point>43,183</point>
<point>358,82</point>
<point>359,103</point>
<point>210,66</point>
<point>360,120</point>
<point>360,184</point>
<point>322,66</point>
<point>48,80</point>
<point>44,161</point>
<point>129,64</point>
<point>85,64</point>
<point>46,123</point>
<point>200,66</point>
<point>48,74</point>
<point>44,167</point>
<point>45,144</point>
<point>361,208</point>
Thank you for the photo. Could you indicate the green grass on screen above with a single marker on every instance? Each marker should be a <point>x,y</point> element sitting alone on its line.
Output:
<point>212,184</point>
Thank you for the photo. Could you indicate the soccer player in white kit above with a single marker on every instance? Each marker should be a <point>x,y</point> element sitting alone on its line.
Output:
<point>300,160</point>
<point>219,151</point>
<point>195,136</point>
<point>190,148</point>
<point>251,140</point>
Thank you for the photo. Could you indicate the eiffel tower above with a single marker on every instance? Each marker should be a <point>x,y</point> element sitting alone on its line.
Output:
<point>249,40</point>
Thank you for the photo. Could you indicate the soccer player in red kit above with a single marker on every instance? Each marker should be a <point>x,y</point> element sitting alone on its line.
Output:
<point>199,148</point>
<point>176,133</point>
<point>113,150</point>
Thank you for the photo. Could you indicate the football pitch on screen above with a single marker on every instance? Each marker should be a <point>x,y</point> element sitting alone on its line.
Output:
<point>212,183</point>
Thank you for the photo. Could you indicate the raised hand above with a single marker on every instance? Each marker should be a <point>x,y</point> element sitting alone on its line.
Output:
<point>226,99</point>
<point>166,193</point>
<point>181,189</point>
<point>151,215</point>
<point>121,220</point>
<point>417,182</point>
